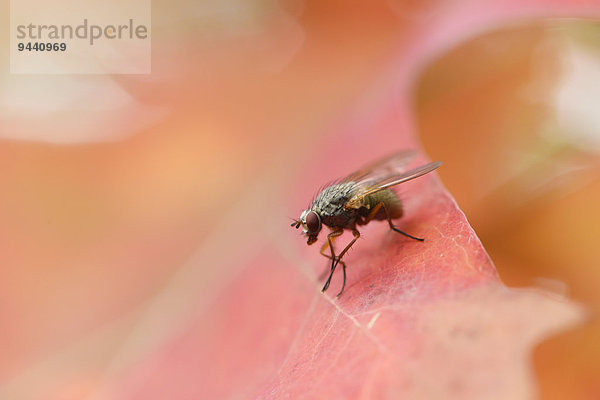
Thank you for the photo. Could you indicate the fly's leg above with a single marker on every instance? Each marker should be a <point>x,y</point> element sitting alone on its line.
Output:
<point>389,219</point>
<point>373,212</point>
<point>326,245</point>
<point>344,281</point>
<point>330,239</point>
<point>356,236</point>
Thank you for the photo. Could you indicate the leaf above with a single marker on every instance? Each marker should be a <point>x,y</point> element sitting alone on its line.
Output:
<point>417,320</point>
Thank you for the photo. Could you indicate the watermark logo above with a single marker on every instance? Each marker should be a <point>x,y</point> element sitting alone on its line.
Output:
<point>90,37</point>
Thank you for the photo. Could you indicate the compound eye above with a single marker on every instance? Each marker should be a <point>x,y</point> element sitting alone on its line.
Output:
<point>313,223</point>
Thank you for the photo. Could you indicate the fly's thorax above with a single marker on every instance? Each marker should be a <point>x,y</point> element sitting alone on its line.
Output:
<point>331,200</point>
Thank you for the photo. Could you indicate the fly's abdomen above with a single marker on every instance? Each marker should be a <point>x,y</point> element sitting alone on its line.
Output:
<point>389,199</point>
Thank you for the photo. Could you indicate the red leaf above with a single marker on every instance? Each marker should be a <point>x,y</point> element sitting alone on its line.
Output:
<point>416,319</point>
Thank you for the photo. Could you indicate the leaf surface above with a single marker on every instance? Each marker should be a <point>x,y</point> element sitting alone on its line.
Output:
<point>416,320</point>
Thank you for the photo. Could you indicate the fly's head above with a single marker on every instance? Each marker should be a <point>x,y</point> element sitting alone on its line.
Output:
<point>311,225</point>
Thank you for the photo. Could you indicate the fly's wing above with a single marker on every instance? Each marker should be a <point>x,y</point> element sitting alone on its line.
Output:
<point>370,185</point>
<point>392,164</point>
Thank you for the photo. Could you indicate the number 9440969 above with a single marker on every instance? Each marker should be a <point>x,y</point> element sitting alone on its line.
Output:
<point>41,46</point>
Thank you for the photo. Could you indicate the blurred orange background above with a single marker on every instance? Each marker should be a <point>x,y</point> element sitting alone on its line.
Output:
<point>522,162</point>
<point>120,195</point>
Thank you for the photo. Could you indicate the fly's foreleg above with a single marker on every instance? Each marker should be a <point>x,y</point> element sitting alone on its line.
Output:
<point>330,238</point>
<point>326,245</point>
<point>356,236</point>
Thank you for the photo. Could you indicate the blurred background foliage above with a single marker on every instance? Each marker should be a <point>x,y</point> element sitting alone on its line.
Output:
<point>518,128</point>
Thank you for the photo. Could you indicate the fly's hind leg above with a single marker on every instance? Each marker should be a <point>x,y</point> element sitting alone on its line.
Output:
<point>389,219</point>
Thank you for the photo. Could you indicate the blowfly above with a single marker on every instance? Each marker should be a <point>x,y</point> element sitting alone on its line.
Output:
<point>357,199</point>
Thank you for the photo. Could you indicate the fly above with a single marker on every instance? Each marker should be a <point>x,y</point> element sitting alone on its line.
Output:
<point>356,200</point>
